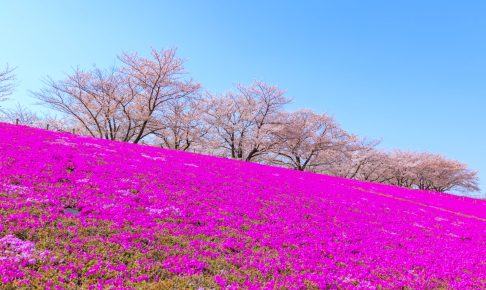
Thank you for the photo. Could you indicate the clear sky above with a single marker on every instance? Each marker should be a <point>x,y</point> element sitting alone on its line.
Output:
<point>412,73</point>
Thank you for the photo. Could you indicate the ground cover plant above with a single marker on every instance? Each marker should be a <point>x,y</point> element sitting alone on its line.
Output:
<point>78,212</point>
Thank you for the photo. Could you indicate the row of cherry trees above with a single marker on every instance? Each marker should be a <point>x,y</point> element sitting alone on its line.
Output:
<point>152,100</point>
<point>420,170</point>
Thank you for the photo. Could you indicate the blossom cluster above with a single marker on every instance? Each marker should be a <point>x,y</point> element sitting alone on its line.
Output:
<point>78,212</point>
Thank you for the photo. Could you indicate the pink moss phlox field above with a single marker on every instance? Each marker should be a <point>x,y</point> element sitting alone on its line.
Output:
<point>78,212</point>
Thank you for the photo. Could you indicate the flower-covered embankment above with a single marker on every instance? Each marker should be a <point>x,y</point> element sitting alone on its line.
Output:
<point>79,212</point>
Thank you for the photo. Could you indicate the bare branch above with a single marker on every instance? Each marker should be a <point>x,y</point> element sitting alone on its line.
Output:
<point>7,82</point>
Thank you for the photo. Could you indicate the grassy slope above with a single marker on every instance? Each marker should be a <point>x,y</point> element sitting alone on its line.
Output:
<point>81,212</point>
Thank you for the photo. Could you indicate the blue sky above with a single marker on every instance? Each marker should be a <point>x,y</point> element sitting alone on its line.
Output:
<point>412,73</point>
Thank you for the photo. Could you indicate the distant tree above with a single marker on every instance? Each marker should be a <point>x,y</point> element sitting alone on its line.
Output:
<point>372,165</point>
<point>21,114</point>
<point>401,168</point>
<point>361,160</point>
<point>26,116</point>
<point>427,171</point>
<point>242,122</point>
<point>437,173</point>
<point>7,82</point>
<point>125,102</point>
<point>305,139</point>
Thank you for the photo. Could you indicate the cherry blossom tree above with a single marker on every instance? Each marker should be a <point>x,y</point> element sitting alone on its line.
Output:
<point>427,171</point>
<point>152,83</point>
<point>242,122</point>
<point>182,127</point>
<point>440,174</point>
<point>361,160</point>
<point>401,168</point>
<point>306,140</point>
<point>123,103</point>
<point>371,165</point>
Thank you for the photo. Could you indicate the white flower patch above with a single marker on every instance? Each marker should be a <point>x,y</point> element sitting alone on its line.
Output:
<point>128,180</point>
<point>190,164</point>
<point>124,192</point>
<point>37,199</point>
<point>107,206</point>
<point>9,188</point>
<point>17,250</point>
<point>153,158</point>
<point>92,145</point>
<point>170,210</point>
<point>155,211</point>
<point>84,180</point>
<point>390,232</point>
<point>419,226</point>
<point>98,146</point>
<point>362,284</point>
<point>62,141</point>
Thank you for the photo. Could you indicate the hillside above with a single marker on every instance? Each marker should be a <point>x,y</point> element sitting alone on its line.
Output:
<point>78,211</point>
